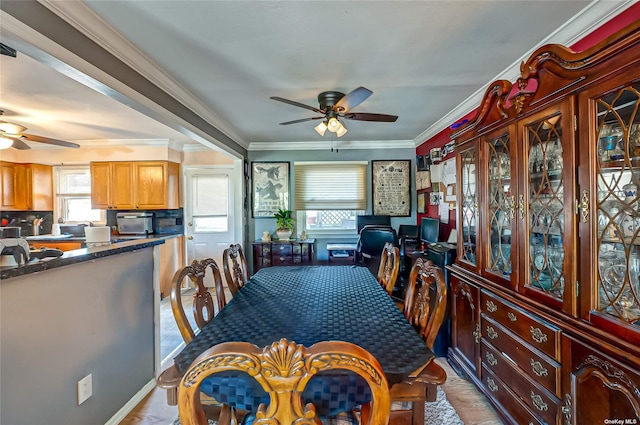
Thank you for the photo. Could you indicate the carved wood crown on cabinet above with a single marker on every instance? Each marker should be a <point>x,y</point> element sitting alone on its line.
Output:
<point>135,185</point>
<point>546,284</point>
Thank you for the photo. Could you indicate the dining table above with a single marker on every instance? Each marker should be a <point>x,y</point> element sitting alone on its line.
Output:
<point>309,304</point>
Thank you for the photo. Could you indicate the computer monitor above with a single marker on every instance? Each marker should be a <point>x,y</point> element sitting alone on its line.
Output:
<point>364,220</point>
<point>429,230</point>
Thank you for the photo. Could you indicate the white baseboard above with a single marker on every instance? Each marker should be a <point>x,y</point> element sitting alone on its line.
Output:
<point>131,404</point>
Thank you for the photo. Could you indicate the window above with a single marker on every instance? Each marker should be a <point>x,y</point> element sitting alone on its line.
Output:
<point>210,199</point>
<point>73,195</point>
<point>329,195</point>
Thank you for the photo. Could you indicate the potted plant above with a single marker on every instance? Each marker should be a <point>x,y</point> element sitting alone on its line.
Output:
<point>285,224</point>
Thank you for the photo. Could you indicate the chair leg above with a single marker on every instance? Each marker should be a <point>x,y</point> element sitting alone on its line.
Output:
<point>418,412</point>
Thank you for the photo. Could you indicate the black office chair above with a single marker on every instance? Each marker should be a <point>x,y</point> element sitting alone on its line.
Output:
<point>367,220</point>
<point>371,243</point>
<point>409,239</point>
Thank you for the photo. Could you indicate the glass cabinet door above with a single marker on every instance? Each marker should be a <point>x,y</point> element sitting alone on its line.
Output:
<point>468,160</point>
<point>617,132</point>
<point>545,192</point>
<point>500,205</point>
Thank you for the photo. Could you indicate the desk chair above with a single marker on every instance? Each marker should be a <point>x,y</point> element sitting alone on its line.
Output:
<point>424,306</point>
<point>409,240</point>
<point>370,244</point>
<point>203,311</point>
<point>236,271</point>
<point>389,267</point>
<point>283,370</point>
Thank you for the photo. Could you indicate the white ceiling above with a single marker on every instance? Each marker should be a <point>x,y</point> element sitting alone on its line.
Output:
<point>421,59</point>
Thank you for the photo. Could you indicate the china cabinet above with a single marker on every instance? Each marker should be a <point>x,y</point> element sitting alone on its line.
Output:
<point>546,285</point>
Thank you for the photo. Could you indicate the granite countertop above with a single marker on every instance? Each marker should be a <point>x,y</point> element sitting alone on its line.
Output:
<point>118,246</point>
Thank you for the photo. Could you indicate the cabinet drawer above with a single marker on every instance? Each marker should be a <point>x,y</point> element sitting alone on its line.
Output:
<point>278,259</point>
<point>539,400</point>
<point>536,365</point>
<point>531,329</point>
<point>512,404</point>
<point>281,249</point>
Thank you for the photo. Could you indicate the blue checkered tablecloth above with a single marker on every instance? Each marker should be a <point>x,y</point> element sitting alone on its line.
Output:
<point>311,304</point>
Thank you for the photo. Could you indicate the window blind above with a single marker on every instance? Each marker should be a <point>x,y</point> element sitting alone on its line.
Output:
<point>330,185</point>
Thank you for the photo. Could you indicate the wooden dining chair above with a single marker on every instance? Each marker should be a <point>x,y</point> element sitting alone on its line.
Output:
<point>203,311</point>
<point>283,369</point>
<point>425,304</point>
<point>389,267</point>
<point>236,271</point>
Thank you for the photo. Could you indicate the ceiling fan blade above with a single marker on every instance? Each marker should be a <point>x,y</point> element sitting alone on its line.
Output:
<point>47,140</point>
<point>301,120</point>
<point>371,117</point>
<point>298,104</point>
<point>352,99</point>
<point>17,143</point>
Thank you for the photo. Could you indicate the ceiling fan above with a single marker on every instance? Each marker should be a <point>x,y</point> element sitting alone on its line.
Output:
<point>12,136</point>
<point>335,106</point>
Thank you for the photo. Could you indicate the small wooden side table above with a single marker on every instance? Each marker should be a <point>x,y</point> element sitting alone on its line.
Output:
<point>345,252</point>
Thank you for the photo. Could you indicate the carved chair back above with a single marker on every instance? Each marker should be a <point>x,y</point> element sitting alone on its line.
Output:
<point>283,369</point>
<point>389,267</point>
<point>236,271</point>
<point>203,308</point>
<point>425,301</point>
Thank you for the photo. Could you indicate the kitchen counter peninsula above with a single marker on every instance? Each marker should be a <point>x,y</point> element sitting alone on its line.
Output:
<point>119,245</point>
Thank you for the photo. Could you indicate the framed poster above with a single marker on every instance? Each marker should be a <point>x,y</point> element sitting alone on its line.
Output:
<point>269,188</point>
<point>422,203</point>
<point>391,188</point>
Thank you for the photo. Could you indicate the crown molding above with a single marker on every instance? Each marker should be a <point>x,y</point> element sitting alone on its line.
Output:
<point>81,17</point>
<point>586,21</point>
<point>327,144</point>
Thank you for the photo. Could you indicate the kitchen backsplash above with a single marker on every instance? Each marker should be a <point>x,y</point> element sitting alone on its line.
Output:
<point>25,220</point>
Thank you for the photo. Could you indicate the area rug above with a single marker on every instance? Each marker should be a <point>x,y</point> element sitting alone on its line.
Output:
<point>436,413</point>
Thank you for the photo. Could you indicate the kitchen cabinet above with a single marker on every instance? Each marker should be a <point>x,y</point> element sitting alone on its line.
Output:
<point>548,172</point>
<point>61,245</point>
<point>171,259</point>
<point>135,185</point>
<point>26,187</point>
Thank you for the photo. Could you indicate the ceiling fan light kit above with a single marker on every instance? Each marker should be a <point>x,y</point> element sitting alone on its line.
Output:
<point>5,142</point>
<point>11,135</point>
<point>335,105</point>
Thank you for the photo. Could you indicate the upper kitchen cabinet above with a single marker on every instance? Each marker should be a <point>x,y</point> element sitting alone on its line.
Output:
<point>135,185</point>
<point>26,187</point>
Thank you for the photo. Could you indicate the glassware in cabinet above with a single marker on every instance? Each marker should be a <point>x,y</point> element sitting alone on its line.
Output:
<point>468,158</point>
<point>501,204</point>
<point>617,139</point>
<point>545,192</point>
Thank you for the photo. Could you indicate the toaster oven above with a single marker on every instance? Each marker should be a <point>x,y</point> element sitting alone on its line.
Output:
<point>134,223</point>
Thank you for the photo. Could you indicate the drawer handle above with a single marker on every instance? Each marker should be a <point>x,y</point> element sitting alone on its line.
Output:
<point>281,248</point>
<point>491,333</point>
<point>281,258</point>
<point>491,306</point>
<point>538,335</point>
<point>538,402</point>
<point>538,369</point>
<point>491,359</point>
<point>512,316</point>
<point>492,385</point>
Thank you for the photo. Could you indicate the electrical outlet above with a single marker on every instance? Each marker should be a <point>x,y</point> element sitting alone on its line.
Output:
<point>84,389</point>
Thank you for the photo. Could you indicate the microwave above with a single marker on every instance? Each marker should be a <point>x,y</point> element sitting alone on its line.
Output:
<point>134,223</point>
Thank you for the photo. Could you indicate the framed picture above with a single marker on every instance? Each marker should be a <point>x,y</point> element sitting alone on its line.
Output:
<point>422,203</point>
<point>391,187</point>
<point>435,198</point>
<point>269,188</point>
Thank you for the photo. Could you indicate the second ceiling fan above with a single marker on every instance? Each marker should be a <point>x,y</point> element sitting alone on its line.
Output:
<point>335,106</point>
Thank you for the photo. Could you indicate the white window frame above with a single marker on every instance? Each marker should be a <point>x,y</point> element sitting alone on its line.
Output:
<point>63,197</point>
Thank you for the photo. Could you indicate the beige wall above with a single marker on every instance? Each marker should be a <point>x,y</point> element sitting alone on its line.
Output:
<point>84,155</point>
